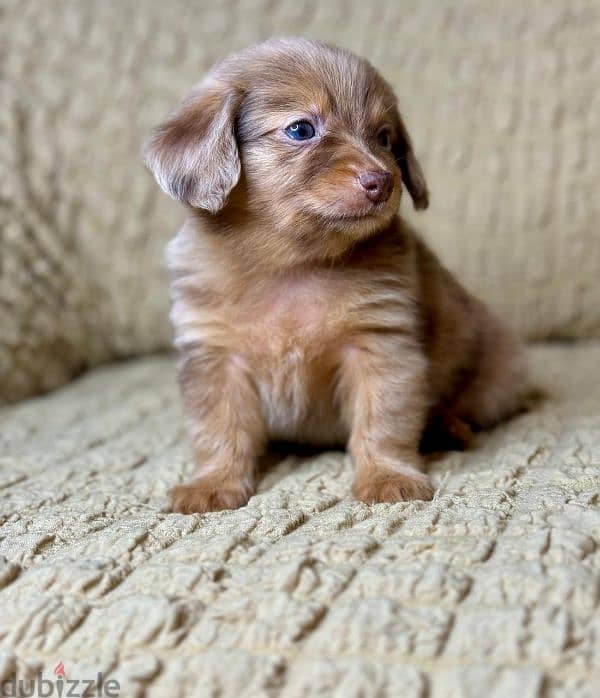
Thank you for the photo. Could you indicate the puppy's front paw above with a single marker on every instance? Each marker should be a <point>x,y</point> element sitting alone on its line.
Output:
<point>208,494</point>
<point>390,486</point>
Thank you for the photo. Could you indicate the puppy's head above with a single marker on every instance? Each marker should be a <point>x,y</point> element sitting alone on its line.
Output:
<point>294,135</point>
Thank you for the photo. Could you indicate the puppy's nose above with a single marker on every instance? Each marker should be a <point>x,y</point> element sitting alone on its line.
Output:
<point>378,185</point>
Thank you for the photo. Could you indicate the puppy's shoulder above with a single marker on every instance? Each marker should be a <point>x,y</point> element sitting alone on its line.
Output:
<point>188,249</point>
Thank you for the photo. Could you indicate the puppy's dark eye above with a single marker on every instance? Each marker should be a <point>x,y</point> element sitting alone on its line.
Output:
<point>300,131</point>
<point>384,138</point>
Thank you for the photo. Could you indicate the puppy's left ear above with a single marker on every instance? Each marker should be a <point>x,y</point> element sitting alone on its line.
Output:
<point>412,174</point>
<point>194,155</point>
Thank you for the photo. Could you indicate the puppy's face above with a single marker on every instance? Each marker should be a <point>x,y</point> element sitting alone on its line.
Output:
<point>294,135</point>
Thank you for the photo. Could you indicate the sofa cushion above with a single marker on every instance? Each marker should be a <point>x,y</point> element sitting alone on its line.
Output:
<point>489,589</point>
<point>501,99</point>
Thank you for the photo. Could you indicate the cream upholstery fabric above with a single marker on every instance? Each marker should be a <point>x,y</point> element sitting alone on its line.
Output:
<point>502,99</point>
<point>490,590</point>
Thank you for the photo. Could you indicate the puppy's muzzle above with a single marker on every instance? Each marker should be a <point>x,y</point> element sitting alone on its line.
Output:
<point>377,185</point>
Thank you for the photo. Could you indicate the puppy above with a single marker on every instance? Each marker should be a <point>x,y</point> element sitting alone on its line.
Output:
<point>304,307</point>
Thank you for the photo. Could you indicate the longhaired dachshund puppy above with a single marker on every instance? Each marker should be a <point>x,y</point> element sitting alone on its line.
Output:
<point>304,307</point>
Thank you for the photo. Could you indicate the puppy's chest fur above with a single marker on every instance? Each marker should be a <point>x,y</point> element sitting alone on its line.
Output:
<point>292,332</point>
<point>289,331</point>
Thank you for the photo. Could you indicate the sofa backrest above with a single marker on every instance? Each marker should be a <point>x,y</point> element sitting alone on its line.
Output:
<point>501,99</point>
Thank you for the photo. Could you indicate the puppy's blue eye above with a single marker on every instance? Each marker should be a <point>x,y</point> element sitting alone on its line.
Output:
<point>300,131</point>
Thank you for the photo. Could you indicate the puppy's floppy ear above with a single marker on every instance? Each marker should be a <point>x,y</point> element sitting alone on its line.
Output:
<point>412,174</point>
<point>194,155</point>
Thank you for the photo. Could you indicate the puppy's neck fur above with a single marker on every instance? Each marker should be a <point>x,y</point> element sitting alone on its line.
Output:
<point>251,243</point>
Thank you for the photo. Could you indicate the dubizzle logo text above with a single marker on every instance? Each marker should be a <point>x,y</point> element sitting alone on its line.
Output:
<point>61,687</point>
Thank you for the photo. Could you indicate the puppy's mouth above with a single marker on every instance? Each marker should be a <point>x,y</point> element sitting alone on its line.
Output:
<point>349,217</point>
<point>355,220</point>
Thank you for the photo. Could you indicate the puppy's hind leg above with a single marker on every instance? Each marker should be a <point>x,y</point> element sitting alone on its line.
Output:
<point>445,432</point>
<point>498,385</point>
<point>227,431</point>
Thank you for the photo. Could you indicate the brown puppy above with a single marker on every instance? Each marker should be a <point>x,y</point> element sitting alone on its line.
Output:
<point>304,307</point>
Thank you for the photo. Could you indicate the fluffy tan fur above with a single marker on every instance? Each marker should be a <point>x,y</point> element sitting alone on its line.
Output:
<point>304,307</point>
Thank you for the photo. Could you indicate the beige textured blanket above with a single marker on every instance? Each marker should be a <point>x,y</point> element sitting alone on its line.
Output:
<point>490,590</point>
